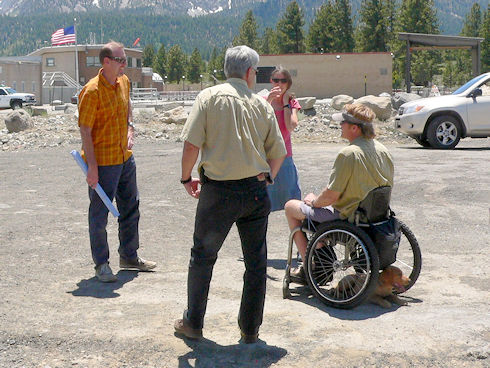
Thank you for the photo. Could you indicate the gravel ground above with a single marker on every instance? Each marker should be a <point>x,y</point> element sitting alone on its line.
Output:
<point>53,313</point>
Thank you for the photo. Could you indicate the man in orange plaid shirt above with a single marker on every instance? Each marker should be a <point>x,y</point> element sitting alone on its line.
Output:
<point>107,138</point>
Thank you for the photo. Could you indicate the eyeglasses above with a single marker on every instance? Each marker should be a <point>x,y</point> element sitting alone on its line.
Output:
<point>281,80</point>
<point>117,59</point>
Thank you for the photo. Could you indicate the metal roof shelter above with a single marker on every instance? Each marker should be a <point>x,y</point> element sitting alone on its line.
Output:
<point>420,41</point>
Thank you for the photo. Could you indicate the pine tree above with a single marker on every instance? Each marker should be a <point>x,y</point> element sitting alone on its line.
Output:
<point>372,33</point>
<point>160,62</point>
<point>416,16</point>
<point>148,55</point>
<point>269,42</point>
<point>485,47</point>
<point>248,32</point>
<point>176,64</point>
<point>473,21</point>
<point>289,30</point>
<point>322,32</point>
<point>390,10</point>
<point>344,31</point>
<point>194,68</point>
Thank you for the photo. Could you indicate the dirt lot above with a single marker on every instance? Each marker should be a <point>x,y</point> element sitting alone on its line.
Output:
<point>54,314</point>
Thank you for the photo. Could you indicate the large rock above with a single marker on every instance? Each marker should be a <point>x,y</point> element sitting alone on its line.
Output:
<point>39,111</point>
<point>18,120</point>
<point>306,102</point>
<point>177,116</point>
<point>380,105</point>
<point>400,98</point>
<point>339,101</point>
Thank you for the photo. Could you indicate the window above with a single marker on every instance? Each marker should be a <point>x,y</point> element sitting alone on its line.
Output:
<point>264,74</point>
<point>130,62</point>
<point>33,86</point>
<point>49,61</point>
<point>383,71</point>
<point>23,86</point>
<point>2,92</point>
<point>93,61</point>
<point>138,63</point>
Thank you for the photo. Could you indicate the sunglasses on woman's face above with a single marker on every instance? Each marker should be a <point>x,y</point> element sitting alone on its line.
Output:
<point>279,80</point>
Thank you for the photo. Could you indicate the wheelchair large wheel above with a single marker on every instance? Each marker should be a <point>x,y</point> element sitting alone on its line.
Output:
<point>408,257</point>
<point>342,265</point>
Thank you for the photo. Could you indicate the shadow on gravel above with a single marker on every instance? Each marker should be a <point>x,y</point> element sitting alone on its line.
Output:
<point>207,353</point>
<point>95,289</point>
<point>362,312</point>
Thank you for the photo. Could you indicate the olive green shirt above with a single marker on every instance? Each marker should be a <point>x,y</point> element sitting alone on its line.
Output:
<point>359,168</point>
<point>236,131</point>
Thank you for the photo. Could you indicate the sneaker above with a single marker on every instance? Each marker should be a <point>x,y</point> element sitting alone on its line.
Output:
<point>182,328</point>
<point>104,273</point>
<point>298,275</point>
<point>249,339</point>
<point>138,263</point>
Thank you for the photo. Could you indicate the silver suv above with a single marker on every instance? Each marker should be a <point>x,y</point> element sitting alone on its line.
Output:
<point>440,122</point>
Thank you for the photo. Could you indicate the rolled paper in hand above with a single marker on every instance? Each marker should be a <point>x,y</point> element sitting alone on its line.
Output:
<point>98,188</point>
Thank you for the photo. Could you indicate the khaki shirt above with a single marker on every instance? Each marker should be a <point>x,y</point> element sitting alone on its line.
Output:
<point>236,131</point>
<point>359,168</point>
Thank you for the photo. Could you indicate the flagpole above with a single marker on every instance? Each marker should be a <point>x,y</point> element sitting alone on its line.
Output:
<point>76,52</point>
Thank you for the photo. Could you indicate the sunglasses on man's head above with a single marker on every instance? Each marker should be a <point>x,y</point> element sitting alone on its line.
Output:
<point>117,59</point>
<point>281,80</point>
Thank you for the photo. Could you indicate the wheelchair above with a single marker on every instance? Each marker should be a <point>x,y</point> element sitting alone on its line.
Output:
<point>339,250</point>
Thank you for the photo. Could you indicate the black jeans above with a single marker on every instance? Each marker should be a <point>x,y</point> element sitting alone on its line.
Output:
<point>118,181</point>
<point>221,204</point>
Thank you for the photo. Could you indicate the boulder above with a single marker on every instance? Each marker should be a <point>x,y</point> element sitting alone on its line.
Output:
<point>59,107</point>
<point>18,120</point>
<point>56,102</point>
<point>306,102</point>
<point>380,105</point>
<point>39,111</point>
<point>339,101</point>
<point>166,106</point>
<point>400,98</point>
<point>177,116</point>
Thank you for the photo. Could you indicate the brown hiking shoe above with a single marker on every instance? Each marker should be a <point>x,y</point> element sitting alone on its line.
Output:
<point>182,328</point>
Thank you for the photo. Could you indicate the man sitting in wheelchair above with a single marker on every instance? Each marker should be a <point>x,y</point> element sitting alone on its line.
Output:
<point>358,168</point>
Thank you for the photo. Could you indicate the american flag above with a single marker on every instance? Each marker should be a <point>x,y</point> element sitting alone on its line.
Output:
<point>63,36</point>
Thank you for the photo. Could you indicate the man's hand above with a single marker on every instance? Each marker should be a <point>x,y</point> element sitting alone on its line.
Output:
<point>310,197</point>
<point>92,176</point>
<point>130,137</point>
<point>192,187</point>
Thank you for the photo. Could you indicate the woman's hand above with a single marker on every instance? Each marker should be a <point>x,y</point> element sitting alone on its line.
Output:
<point>274,93</point>
<point>286,97</point>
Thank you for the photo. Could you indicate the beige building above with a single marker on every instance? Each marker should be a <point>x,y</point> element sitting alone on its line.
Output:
<point>59,69</point>
<point>328,75</point>
<point>22,73</point>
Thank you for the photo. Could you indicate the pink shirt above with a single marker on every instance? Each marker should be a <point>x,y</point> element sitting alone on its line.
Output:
<point>286,135</point>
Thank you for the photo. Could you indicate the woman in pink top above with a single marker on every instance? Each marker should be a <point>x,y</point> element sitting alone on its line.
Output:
<point>286,183</point>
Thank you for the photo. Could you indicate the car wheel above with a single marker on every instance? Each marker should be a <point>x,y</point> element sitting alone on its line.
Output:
<point>444,132</point>
<point>422,141</point>
<point>16,105</point>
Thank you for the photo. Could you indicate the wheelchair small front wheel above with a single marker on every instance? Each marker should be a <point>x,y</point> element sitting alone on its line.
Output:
<point>342,264</point>
<point>286,294</point>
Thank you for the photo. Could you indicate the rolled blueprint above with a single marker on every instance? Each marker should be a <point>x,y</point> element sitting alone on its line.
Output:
<point>98,188</point>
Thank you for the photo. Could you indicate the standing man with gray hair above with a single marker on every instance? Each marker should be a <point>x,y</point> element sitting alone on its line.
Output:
<point>241,151</point>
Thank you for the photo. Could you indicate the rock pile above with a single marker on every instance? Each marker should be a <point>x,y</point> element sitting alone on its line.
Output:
<point>60,128</point>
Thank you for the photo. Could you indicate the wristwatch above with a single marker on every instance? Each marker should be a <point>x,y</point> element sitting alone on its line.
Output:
<point>287,105</point>
<point>182,181</point>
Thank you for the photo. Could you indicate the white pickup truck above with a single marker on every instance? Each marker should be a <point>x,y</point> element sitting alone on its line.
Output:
<point>11,99</point>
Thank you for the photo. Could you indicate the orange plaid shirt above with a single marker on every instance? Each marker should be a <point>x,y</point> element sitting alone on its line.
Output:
<point>104,108</point>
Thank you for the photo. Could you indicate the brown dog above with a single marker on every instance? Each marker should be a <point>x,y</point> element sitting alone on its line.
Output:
<point>389,281</point>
